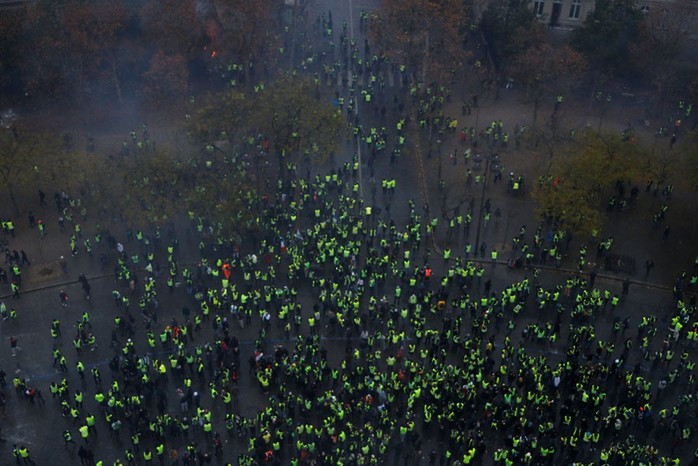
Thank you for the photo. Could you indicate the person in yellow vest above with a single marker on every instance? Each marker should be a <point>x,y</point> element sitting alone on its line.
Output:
<point>84,433</point>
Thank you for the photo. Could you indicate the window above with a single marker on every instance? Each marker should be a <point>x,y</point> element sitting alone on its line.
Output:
<point>574,9</point>
<point>555,13</point>
<point>538,6</point>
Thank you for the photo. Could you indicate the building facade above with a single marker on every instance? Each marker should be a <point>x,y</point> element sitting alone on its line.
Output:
<point>566,15</point>
<point>562,14</point>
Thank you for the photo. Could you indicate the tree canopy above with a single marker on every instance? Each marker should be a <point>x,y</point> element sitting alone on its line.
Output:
<point>504,23</point>
<point>78,50</point>
<point>166,77</point>
<point>657,51</point>
<point>289,114</point>
<point>244,30</point>
<point>151,186</point>
<point>543,69</point>
<point>219,116</point>
<point>687,158</point>
<point>426,36</point>
<point>286,117</point>
<point>221,191</point>
<point>575,191</point>
<point>606,35</point>
<point>70,47</point>
<point>173,27</point>
<point>31,160</point>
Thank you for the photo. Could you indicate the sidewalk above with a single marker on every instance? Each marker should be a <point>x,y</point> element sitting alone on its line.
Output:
<point>632,229</point>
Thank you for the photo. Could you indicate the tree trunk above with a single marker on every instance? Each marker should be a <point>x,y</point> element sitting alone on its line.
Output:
<point>282,165</point>
<point>13,198</point>
<point>117,83</point>
<point>425,60</point>
<point>536,107</point>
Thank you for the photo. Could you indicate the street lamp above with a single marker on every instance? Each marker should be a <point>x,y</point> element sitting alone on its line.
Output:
<point>482,199</point>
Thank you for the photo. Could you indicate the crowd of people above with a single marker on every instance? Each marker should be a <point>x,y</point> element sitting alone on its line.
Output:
<point>436,362</point>
<point>357,332</point>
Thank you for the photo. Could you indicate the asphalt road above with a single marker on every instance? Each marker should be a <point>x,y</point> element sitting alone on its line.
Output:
<point>40,427</point>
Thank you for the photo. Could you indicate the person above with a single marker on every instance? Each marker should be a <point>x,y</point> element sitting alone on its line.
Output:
<point>68,438</point>
<point>14,347</point>
<point>24,454</point>
<point>15,453</point>
<point>648,267</point>
<point>404,360</point>
<point>63,297</point>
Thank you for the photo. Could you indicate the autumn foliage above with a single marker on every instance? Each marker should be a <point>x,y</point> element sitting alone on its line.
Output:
<point>167,76</point>
<point>83,51</point>
<point>575,190</point>
<point>426,36</point>
<point>544,69</point>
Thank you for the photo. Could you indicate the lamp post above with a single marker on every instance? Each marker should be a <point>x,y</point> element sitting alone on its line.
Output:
<point>356,108</point>
<point>482,202</point>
